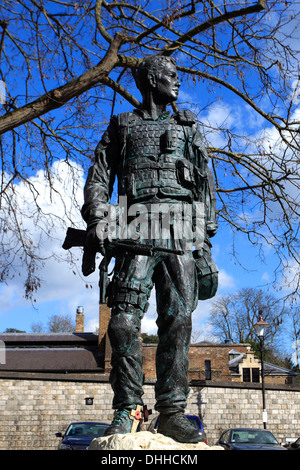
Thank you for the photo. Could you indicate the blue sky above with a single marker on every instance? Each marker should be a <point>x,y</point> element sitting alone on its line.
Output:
<point>62,290</point>
<point>63,287</point>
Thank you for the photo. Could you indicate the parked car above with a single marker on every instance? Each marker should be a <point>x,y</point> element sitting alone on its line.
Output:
<point>194,419</point>
<point>294,445</point>
<point>248,439</point>
<point>78,436</point>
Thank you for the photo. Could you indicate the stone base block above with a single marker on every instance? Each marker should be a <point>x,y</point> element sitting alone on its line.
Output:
<point>145,440</point>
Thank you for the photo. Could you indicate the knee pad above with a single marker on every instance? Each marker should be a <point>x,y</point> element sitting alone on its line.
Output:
<point>123,332</point>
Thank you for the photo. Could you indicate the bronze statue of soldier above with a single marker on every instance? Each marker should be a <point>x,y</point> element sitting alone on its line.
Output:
<point>157,157</point>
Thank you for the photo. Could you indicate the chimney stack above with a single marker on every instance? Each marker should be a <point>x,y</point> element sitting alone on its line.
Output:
<point>80,320</point>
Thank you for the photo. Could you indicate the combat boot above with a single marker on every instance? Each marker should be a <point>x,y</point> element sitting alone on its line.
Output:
<point>178,427</point>
<point>121,424</point>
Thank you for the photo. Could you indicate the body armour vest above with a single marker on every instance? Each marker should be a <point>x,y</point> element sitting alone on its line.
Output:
<point>155,160</point>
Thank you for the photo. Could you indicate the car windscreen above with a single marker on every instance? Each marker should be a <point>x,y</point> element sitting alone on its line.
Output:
<point>85,430</point>
<point>253,436</point>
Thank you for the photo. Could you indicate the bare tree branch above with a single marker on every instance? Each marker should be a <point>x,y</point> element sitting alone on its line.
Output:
<point>66,65</point>
<point>211,23</point>
<point>60,96</point>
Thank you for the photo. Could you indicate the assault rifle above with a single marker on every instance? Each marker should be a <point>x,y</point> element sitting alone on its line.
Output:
<point>76,237</point>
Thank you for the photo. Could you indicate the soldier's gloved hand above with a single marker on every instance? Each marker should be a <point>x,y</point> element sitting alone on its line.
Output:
<point>93,241</point>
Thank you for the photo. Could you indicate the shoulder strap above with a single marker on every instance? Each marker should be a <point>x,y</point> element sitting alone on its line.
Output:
<point>185,117</point>
<point>123,119</point>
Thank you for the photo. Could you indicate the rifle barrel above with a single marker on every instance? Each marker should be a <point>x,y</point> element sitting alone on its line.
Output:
<point>138,247</point>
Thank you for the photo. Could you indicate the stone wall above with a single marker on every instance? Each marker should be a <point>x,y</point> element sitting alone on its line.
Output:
<point>227,406</point>
<point>33,407</point>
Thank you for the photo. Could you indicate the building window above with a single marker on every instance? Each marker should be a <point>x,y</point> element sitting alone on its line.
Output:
<point>246,374</point>
<point>207,370</point>
<point>250,375</point>
<point>255,374</point>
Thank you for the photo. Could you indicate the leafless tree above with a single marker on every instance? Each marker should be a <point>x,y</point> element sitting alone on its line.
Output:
<point>56,324</point>
<point>233,316</point>
<point>67,66</point>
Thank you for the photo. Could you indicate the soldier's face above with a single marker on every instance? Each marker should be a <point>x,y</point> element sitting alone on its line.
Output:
<point>167,84</point>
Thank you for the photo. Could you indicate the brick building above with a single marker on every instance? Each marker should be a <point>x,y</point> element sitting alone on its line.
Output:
<point>82,352</point>
<point>207,361</point>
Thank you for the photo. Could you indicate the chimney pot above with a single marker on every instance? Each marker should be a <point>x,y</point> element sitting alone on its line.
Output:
<point>80,320</point>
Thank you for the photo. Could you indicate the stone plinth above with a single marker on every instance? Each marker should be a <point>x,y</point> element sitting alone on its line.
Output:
<point>144,440</point>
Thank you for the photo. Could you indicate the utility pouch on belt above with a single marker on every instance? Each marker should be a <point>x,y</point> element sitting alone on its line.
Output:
<point>207,273</point>
<point>185,173</point>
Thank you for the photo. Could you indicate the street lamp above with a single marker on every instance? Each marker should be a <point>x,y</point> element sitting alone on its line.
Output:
<point>260,330</point>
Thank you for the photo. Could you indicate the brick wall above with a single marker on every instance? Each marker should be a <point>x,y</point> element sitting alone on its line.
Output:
<point>217,354</point>
<point>219,363</point>
<point>79,320</point>
<point>33,409</point>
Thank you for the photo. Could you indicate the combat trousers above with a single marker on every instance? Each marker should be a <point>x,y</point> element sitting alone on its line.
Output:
<point>175,280</point>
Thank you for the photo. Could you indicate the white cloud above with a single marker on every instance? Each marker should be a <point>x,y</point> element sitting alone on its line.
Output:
<point>289,282</point>
<point>202,311</point>
<point>266,276</point>
<point>226,281</point>
<point>219,116</point>
<point>63,286</point>
<point>8,298</point>
<point>62,283</point>
<point>149,325</point>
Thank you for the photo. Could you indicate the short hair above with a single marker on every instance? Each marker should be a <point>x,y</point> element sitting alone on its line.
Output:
<point>152,64</point>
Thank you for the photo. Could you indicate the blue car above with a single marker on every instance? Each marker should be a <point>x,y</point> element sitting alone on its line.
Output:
<point>78,436</point>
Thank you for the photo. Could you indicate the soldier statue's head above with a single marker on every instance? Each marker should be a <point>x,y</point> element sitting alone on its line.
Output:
<point>158,76</point>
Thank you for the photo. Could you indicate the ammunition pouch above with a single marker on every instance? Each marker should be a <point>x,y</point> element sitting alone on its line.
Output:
<point>185,173</point>
<point>128,295</point>
<point>207,273</point>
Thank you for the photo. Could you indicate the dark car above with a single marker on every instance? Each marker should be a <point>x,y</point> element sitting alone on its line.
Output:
<point>195,420</point>
<point>248,439</point>
<point>294,446</point>
<point>78,436</point>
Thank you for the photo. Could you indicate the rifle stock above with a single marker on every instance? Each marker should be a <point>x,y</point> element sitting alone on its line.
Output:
<point>76,237</point>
